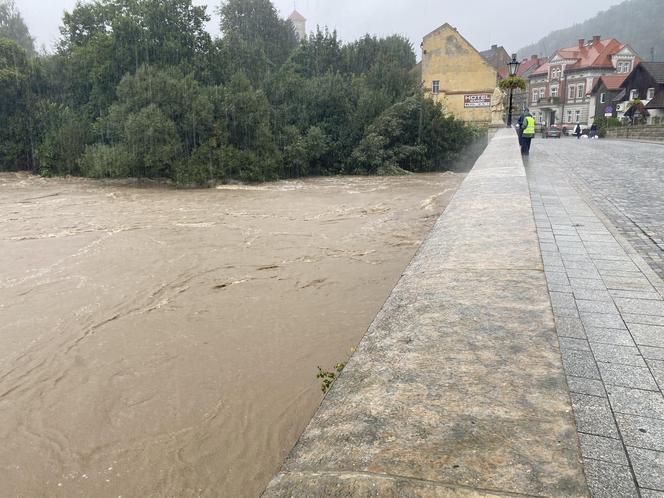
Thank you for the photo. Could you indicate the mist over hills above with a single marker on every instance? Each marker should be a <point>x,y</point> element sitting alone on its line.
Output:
<point>639,23</point>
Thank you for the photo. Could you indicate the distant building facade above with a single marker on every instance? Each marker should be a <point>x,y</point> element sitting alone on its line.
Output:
<point>560,90</point>
<point>456,74</point>
<point>496,56</point>
<point>645,84</point>
<point>606,95</point>
<point>299,23</point>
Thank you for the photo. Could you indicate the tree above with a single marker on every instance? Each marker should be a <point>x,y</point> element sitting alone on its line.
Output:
<point>15,107</point>
<point>13,26</point>
<point>257,42</point>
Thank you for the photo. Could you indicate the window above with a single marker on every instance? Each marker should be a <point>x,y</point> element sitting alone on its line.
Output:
<point>651,93</point>
<point>571,92</point>
<point>602,98</point>
<point>535,95</point>
<point>580,90</point>
<point>578,116</point>
<point>569,116</point>
<point>541,93</point>
<point>624,67</point>
<point>555,73</point>
<point>554,91</point>
<point>435,87</point>
<point>633,94</point>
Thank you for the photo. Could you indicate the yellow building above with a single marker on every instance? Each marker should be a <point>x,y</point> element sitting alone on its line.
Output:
<point>454,73</point>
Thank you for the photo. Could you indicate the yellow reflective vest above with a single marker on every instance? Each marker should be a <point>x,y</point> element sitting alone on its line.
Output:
<point>529,126</point>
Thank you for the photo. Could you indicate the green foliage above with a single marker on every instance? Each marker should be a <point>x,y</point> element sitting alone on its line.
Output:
<point>328,378</point>
<point>512,83</point>
<point>137,88</point>
<point>13,26</point>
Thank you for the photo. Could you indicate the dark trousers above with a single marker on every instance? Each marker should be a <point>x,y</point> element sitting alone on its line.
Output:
<point>525,145</point>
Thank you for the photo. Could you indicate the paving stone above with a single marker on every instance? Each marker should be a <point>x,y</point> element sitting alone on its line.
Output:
<point>616,265</point>
<point>652,353</point>
<point>657,369</point>
<point>580,364</point>
<point>640,306</point>
<point>622,283</point>
<point>592,295</point>
<point>641,432</point>
<point>570,327</point>
<point>586,283</point>
<point>606,320</point>
<point>596,307</point>
<point>627,376</point>
<point>584,273</point>
<point>559,278</point>
<point>644,319</point>
<point>563,300</point>
<point>610,336</point>
<point>636,294</point>
<point>581,264</point>
<point>636,402</point>
<point>565,312</point>
<point>593,415</point>
<point>647,335</point>
<point>609,480</point>
<point>602,448</point>
<point>624,355</point>
<point>574,344</point>
<point>648,466</point>
<point>590,387</point>
<point>651,493</point>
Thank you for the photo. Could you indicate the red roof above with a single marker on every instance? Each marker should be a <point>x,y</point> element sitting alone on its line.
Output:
<point>593,54</point>
<point>296,16</point>
<point>526,65</point>
<point>542,70</point>
<point>612,82</point>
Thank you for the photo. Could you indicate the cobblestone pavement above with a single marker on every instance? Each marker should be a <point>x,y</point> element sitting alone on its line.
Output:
<point>626,180</point>
<point>607,302</point>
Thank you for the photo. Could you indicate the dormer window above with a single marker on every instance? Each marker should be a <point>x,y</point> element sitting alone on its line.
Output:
<point>633,94</point>
<point>624,67</point>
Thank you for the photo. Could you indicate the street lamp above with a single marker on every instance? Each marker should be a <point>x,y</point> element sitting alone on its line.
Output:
<point>512,67</point>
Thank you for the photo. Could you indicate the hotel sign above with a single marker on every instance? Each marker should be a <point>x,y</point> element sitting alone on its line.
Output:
<point>477,100</point>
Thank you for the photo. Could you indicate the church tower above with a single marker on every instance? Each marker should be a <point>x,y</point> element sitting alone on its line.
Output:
<point>300,24</point>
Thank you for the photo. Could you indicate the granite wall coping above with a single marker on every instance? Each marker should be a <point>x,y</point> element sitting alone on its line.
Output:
<point>458,388</point>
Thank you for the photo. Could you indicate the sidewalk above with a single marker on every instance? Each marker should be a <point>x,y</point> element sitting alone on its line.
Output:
<point>458,388</point>
<point>610,322</point>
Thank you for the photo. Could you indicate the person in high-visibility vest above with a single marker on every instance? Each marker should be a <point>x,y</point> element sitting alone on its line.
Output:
<point>528,133</point>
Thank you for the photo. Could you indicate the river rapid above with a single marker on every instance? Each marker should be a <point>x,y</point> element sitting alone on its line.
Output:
<point>164,343</point>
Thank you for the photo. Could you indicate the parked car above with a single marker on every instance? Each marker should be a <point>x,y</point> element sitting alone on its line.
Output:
<point>552,131</point>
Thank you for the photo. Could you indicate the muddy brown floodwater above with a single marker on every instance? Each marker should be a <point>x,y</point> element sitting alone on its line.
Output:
<point>164,343</point>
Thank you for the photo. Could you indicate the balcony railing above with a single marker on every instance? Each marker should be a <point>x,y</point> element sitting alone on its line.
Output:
<point>548,101</point>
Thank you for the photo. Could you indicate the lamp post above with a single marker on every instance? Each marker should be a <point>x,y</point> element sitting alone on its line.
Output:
<point>512,67</point>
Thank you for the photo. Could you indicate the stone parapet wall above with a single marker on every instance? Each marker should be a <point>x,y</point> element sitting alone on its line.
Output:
<point>652,133</point>
<point>458,387</point>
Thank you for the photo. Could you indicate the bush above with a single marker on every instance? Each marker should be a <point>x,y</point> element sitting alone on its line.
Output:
<point>107,161</point>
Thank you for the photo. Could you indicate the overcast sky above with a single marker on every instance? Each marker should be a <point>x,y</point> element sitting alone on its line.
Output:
<point>512,23</point>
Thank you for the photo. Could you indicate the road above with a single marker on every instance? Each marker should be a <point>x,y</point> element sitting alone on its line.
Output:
<point>624,179</point>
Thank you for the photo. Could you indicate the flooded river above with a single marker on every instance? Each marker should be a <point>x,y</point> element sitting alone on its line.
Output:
<point>164,343</point>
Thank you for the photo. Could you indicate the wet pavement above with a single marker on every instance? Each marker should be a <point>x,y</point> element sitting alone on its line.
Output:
<point>600,218</point>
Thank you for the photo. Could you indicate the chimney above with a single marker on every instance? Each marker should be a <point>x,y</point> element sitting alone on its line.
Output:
<point>596,39</point>
<point>582,42</point>
<point>534,57</point>
<point>494,47</point>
